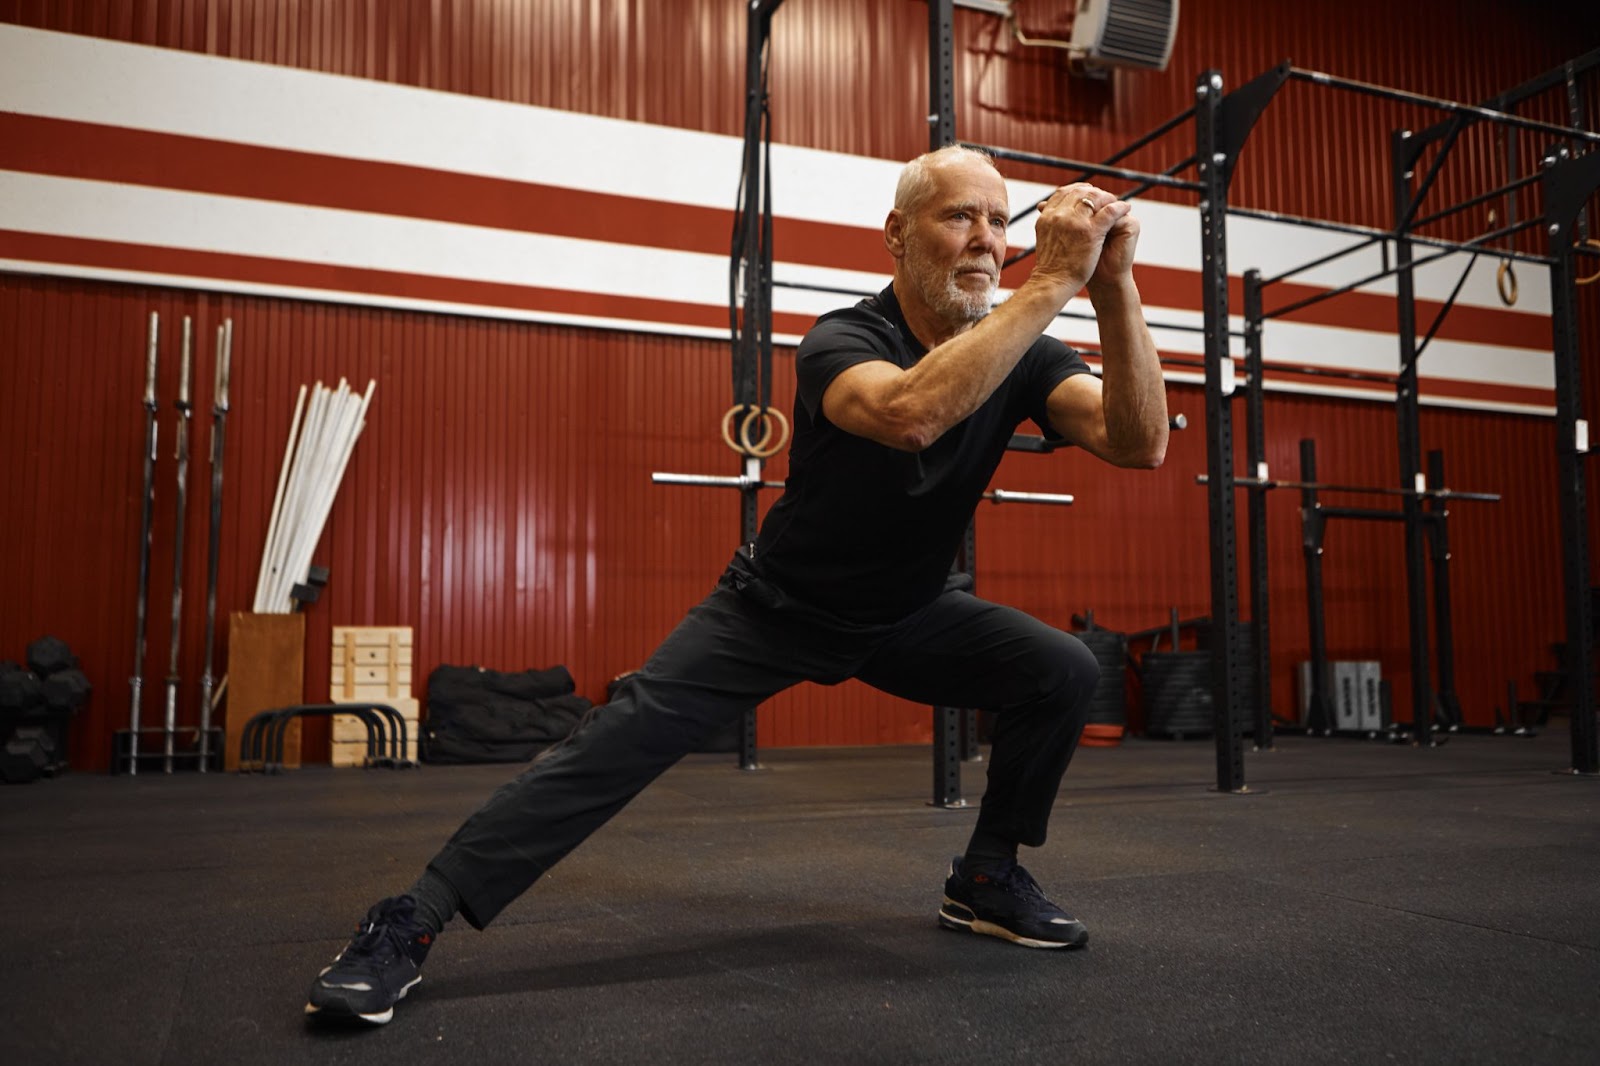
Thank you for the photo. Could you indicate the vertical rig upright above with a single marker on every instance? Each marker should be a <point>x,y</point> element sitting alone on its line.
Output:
<point>1405,151</point>
<point>1215,166</point>
<point>1568,184</point>
<point>951,741</point>
<point>941,74</point>
<point>752,339</point>
<point>1256,451</point>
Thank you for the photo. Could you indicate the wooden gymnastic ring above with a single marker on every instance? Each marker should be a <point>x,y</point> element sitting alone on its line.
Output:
<point>764,448</point>
<point>1500,275</point>
<point>727,424</point>
<point>1592,278</point>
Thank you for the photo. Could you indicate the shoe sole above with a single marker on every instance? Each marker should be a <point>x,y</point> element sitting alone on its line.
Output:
<point>956,923</point>
<point>338,1011</point>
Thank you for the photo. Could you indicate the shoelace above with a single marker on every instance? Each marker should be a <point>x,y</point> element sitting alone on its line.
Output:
<point>378,940</point>
<point>1019,882</point>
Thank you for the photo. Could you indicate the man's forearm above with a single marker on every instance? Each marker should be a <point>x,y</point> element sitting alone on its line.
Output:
<point>1134,394</point>
<point>955,379</point>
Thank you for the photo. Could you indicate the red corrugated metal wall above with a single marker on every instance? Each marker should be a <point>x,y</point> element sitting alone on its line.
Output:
<point>500,501</point>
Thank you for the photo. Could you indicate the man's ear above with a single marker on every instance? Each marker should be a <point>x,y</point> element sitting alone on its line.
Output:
<point>894,234</point>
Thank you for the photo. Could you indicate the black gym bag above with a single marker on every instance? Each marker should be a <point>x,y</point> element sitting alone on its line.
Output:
<point>477,715</point>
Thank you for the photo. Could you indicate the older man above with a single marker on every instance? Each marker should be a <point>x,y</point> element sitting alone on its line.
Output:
<point>905,404</point>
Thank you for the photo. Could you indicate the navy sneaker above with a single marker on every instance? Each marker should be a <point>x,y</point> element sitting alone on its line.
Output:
<point>377,968</point>
<point>1006,902</point>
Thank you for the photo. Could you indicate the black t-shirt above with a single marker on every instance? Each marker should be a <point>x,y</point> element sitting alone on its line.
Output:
<point>866,531</point>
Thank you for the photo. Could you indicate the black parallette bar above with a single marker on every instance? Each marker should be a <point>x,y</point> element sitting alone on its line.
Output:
<point>1087,168</point>
<point>1455,106</point>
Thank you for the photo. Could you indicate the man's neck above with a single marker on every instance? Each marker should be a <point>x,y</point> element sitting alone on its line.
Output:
<point>930,328</point>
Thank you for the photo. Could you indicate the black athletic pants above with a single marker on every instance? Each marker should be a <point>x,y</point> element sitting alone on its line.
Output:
<point>746,642</point>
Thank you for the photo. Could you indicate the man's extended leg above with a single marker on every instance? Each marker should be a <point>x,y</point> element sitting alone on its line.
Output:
<point>1038,682</point>
<point>726,656</point>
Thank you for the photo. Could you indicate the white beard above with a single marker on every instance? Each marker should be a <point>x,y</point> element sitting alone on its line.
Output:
<point>945,294</point>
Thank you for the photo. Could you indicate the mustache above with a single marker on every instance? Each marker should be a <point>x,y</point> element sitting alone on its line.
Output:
<point>981,266</point>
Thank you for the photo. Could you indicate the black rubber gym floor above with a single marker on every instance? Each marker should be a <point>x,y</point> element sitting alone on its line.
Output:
<point>1378,903</point>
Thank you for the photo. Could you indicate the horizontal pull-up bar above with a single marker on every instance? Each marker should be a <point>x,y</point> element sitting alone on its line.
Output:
<point>1551,78</point>
<point>1381,234</point>
<point>1332,372</point>
<point>1145,186</point>
<point>1476,245</point>
<point>1453,106</point>
<point>1324,260</point>
<point>1510,186</point>
<point>1087,168</point>
<point>1370,514</point>
<point>1137,190</point>
<point>808,287</point>
<point>1268,484</point>
<point>1124,152</point>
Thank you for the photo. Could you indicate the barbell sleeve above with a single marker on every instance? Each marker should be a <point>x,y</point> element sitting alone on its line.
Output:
<point>714,480</point>
<point>1009,496</point>
<point>1371,490</point>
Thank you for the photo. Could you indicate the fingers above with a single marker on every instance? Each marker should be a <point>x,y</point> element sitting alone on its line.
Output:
<point>1089,202</point>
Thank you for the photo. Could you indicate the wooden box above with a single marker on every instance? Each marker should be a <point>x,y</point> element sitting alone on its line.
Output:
<point>371,664</point>
<point>349,742</point>
<point>266,670</point>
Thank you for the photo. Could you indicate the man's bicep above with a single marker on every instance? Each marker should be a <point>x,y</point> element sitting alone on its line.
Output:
<point>857,398</point>
<point>1077,412</point>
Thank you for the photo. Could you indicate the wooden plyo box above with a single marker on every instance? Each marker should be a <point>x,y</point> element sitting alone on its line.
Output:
<point>266,667</point>
<point>371,664</point>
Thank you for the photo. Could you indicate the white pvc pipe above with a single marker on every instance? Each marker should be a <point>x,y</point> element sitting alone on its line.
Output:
<point>277,499</point>
<point>346,421</point>
<point>311,435</point>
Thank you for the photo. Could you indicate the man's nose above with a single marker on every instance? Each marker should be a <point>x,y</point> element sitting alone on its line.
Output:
<point>986,239</point>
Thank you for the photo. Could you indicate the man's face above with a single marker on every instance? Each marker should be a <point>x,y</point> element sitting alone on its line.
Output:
<point>956,240</point>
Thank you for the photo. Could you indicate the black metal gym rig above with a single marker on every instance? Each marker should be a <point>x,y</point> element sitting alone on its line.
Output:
<point>1223,122</point>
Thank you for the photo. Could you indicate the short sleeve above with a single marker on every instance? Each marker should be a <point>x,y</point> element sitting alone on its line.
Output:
<point>1047,364</point>
<point>835,344</point>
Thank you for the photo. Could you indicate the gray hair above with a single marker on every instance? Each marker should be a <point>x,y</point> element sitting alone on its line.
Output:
<point>916,180</point>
